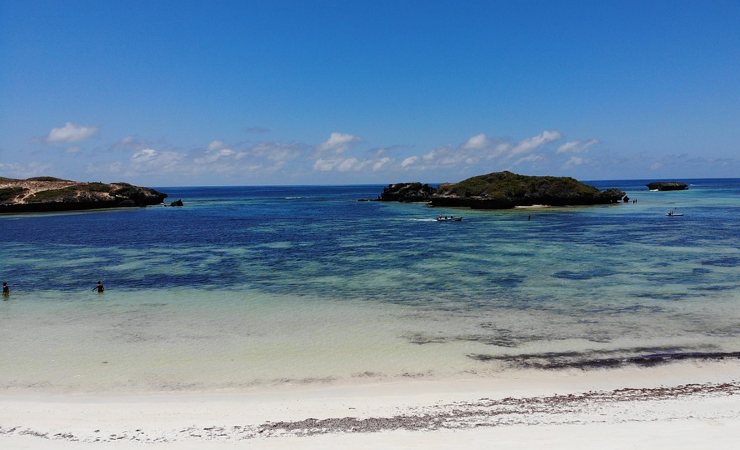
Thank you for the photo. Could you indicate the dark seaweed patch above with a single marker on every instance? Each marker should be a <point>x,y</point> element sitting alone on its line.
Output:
<point>627,309</point>
<point>727,261</point>
<point>661,296</point>
<point>576,360</point>
<point>506,340</point>
<point>584,275</point>
<point>714,288</point>
<point>509,281</point>
<point>420,339</point>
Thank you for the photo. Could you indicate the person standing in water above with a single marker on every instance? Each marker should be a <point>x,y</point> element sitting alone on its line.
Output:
<point>99,287</point>
<point>6,289</point>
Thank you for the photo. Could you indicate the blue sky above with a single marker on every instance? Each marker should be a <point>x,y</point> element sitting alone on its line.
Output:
<point>330,92</point>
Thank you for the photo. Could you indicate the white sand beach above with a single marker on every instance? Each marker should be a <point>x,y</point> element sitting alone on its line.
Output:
<point>686,405</point>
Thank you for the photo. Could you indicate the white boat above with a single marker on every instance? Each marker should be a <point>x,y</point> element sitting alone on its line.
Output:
<point>673,213</point>
<point>449,218</point>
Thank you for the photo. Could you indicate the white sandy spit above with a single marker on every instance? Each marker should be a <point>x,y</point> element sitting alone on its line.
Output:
<point>673,406</point>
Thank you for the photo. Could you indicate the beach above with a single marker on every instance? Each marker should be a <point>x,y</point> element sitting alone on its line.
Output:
<point>674,406</point>
<point>298,317</point>
<point>368,225</point>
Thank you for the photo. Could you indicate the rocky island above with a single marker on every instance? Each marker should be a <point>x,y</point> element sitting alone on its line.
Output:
<point>667,186</point>
<point>407,192</point>
<point>503,190</point>
<point>42,194</point>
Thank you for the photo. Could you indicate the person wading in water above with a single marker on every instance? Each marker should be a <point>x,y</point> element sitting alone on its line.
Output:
<point>99,287</point>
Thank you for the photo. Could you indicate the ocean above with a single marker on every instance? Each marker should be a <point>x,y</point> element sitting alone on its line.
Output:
<point>247,287</point>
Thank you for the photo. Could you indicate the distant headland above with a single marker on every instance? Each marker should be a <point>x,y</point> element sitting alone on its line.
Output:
<point>503,190</point>
<point>42,194</point>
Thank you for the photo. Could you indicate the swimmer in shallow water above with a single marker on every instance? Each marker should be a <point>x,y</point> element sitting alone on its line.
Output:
<point>6,289</point>
<point>100,288</point>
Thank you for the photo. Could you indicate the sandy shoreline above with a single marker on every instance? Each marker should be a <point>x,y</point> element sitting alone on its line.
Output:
<point>679,403</point>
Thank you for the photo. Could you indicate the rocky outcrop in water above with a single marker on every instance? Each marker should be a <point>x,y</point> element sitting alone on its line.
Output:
<point>667,186</point>
<point>502,190</point>
<point>407,192</point>
<point>43,194</point>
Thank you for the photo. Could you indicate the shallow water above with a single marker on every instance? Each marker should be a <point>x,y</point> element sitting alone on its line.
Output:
<point>266,285</point>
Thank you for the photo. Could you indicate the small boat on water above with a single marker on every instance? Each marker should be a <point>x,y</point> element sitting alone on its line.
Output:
<point>673,213</point>
<point>449,218</point>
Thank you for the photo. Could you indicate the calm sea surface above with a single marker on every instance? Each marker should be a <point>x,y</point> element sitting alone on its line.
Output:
<point>255,286</point>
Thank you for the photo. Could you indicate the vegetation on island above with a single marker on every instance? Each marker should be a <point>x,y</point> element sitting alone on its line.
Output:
<point>407,192</point>
<point>10,193</point>
<point>55,194</point>
<point>500,190</point>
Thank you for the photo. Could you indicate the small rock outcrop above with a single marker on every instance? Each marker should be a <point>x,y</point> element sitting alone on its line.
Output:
<point>176,203</point>
<point>41,194</point>
<point>407,192</point>
<point>667,186</point>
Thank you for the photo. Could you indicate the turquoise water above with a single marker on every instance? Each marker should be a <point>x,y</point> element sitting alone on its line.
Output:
<point>260,286</point>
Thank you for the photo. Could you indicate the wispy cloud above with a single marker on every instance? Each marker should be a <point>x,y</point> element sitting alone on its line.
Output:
<point>375,161</point>
<point>27,170</point>
<point>338,143</point>
<point>577,146</point>
<point>478,141</point>
<point>408,162</point>
<point>70,133</point>
<point>216,144</point>
<point>149,160</point>
<point>574,161</point>
<point>535,142</point>
<point>480,148</point>
<point>217,157</point>
<point>330,154</point>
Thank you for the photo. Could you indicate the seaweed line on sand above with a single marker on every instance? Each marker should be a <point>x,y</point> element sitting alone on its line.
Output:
<point>580,408</point>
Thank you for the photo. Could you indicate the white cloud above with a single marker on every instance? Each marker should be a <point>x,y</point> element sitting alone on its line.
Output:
<point>324,165</point>
<point>574,161</point>
<point>408,162</point>
<point>264,157</point>
<point>215,154</point>
<point>128,143</point>
<point>375,161</point>
<point>276,151</point>
<point>577,146</point>
<point>216,145</point>
<point>70,133</point>
<point>529,159</point>
<point>32,169</point>
<point>533,143</point>
<point>144,155</point>
<point>149,160</point>
<point>380,163</point>
<point>478,141</point>
<point>349,164</point>
<point>480,148</point>
<point>338,143</point>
